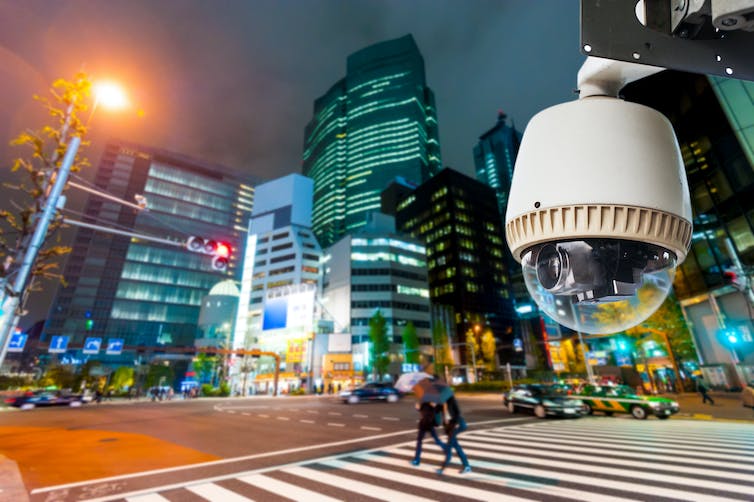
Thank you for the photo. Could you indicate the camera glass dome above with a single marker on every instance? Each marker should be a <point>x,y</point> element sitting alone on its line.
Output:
<point>598,286</point>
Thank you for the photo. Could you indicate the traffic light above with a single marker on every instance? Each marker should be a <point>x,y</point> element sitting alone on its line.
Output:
<point>220,251</point>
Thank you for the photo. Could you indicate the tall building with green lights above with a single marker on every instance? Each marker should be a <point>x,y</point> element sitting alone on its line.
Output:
<point>140,284</point>
<point>376,123</point>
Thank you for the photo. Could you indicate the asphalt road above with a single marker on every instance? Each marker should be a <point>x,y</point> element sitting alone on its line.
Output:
<point>152,443</point>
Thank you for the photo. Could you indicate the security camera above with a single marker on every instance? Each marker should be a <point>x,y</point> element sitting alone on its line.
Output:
<point>599,213</point>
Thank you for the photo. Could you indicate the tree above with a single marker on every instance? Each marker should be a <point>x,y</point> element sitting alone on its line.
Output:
<point>380,344</point>
<point>489,349</point>
<point>59,376</point>
<point>47,145</point>
<point>473,351</point>
<point>204,365</point>
<point>122,377</point>
<point>159,374</point>
<point>443,355</point>
<point>411,343</point>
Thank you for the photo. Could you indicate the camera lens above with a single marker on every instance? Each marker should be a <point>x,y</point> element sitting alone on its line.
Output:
<point>550,265</point>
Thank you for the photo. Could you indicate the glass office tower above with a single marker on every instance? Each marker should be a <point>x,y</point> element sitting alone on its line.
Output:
<point>377,123</point>
<point>713,120</point>
<point>494,158</point>
<point>125,286</point>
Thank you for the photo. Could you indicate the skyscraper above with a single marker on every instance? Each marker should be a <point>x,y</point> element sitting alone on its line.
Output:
<point>142,285</point>
<point>494,158</point>
<point>457,219</point>
<point>377,123</point>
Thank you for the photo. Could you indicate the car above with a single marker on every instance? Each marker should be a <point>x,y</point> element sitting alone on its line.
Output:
<point>374,391</point>
<point>610,399</point>
<point>543,400</point>
<point>31,400</point>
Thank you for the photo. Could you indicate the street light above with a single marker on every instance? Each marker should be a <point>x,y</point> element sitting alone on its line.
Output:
<point>11,300</point>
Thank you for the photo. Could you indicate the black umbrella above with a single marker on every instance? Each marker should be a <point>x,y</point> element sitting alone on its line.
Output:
<point>432,391</point>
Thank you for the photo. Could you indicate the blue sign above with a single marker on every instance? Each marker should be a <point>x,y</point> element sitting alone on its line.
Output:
<point>58,344</point>
<point>518,345</point>
<point>92,345</point>
<point>275,315</point>
<point>17,342</point>
<point>114,346</point>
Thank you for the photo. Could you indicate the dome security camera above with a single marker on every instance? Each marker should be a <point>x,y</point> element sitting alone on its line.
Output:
<point>599,212</point>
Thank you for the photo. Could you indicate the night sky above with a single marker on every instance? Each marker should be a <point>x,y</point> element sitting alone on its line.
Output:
<point>233,81</point>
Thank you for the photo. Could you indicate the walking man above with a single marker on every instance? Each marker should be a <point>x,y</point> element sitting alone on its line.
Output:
<point>453,427</point>
<point>703,391</point>
<point>427,422</point>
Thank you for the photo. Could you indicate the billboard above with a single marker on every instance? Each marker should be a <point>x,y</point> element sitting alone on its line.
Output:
<point>293,309</point>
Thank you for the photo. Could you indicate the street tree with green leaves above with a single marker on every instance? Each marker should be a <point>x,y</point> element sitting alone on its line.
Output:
<point>35,171</point>
<point>441,345</point>
<point>411,344</point>
<point>489,350</point>
<point>122,378</point>
<point>380,345</point>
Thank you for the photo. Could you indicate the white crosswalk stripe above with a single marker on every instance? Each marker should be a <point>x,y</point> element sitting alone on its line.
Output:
<point>591,459</point>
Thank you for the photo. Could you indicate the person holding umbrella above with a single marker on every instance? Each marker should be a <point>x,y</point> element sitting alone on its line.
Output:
<point>427,422</point>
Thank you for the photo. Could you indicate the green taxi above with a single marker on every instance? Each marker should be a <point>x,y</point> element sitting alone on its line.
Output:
<point>610,399</point>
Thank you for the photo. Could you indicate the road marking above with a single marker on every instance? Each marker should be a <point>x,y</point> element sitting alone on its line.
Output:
<point>242,458</point>
<point>312,411</point>
<point>335,425</point>
<point>211,491</point>
<point>263,416</point>
<point>231,412</point>
<point>246,414</point>
<point>291,491</point>
<point>307,421</point>
<point>549,490</point>
<point>334,413</point>
<point>409,479</point>
<point>370,428</point>
<point>282,418</point>
<point>354,485</point>
<point>360,416</point>
<point>150,497</point>
<point>392,419</point>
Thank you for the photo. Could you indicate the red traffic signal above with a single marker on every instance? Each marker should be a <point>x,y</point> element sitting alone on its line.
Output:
<point>220,251</point>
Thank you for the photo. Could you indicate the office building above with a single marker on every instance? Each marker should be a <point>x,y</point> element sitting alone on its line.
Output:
<point>376,123</point>
<point>494,158</point>
<point>280,277</point>
<point>378,269</point>
<point>142,286</point>
<point>457,219</point>
<point>714,121</point>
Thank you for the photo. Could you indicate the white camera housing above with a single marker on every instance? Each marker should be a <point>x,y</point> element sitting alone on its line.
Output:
<point>599,209</point>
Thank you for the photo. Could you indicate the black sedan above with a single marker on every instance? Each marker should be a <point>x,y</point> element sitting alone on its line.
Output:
<point>32,400</point>
<point>371,392</point>
<point>543,400</point>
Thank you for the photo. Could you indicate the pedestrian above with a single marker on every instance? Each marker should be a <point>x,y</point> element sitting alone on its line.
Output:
<point>427,422</point>
<point>454,425</point>
<point>330,388</point>
<point>702,388</point>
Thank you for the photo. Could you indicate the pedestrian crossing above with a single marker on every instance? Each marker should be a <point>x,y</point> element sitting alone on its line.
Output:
<point>590,459</point>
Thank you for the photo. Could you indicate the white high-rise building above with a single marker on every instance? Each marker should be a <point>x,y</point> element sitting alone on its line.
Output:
<point>280,273</point>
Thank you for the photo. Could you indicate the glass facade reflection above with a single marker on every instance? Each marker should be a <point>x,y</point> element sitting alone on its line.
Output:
<point>377,123</point>
<point>149,293</point>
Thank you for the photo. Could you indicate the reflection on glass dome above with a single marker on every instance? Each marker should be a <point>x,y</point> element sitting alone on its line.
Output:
<point>598,286</point>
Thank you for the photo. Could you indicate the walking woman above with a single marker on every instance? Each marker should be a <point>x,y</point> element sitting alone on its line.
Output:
<point>427,422</point>
<point>453,427</point>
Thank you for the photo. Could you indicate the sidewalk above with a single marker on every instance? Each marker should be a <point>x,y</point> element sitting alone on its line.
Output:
<point>727,406</point>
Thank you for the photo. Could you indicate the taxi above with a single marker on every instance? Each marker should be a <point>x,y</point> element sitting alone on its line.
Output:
<point>610,399</point>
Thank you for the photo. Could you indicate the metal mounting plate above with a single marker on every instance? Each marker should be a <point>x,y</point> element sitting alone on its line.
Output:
<point>610,28</point>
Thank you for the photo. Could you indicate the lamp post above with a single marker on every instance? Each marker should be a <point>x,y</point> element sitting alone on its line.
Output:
<point>11,298</point>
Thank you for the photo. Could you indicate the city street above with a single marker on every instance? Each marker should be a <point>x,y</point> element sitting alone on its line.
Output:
<point>316,448</point>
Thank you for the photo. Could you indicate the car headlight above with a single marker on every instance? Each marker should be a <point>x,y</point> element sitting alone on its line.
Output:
<point>654,405</point>
<point>577,402</point>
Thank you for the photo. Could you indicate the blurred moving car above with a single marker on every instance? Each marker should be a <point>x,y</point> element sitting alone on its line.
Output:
<point>373,391</point>
<point>543,400</point>
<point>623,399</point>
<point>31,400</point>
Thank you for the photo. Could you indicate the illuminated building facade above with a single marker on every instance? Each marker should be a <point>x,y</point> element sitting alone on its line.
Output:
<point>377,123</point>
<point>713,119</point>
<point>280,274</point>
<point>457,219</point>
<point>148,293</point>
